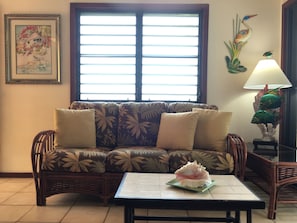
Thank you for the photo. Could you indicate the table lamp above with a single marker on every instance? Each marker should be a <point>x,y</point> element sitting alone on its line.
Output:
<point>269,78</point>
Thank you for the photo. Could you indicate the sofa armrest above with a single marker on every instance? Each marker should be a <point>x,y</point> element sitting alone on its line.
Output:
<point>237,147</point>
<point>43,142</point>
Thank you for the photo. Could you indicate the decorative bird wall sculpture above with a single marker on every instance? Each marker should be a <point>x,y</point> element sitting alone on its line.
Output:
<point>240,38</point>
<point>245,34</point>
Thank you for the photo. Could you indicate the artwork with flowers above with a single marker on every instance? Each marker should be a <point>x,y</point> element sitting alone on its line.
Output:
<point>32,49</point>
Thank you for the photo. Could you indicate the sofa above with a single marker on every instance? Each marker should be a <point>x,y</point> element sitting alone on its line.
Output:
<point>93,144</point>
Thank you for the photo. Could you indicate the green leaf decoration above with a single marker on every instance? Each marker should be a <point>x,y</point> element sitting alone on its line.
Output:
<point>242,68</point>
<point>234,65</point>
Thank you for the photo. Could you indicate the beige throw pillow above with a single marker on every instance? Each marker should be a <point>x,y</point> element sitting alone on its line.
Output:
<point>177,130</point>
<point>212,129</point>
<point>75,128</point>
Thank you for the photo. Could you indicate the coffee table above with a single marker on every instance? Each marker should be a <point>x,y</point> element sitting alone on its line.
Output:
<point>149,191</point>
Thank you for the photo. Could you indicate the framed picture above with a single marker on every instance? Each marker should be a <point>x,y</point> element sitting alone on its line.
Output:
<point>32,49</point>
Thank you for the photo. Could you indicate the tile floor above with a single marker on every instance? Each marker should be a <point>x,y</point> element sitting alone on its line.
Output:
<point>17,204</point>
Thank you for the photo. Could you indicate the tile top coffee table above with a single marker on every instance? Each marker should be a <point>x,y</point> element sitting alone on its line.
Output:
<point>150,191</point>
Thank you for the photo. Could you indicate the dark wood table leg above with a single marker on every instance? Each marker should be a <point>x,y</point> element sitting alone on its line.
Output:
<point>235,219</point>
<point>237,216</point>
<point>129,214</point>
<point>249,216</point>
<point>228,216</point>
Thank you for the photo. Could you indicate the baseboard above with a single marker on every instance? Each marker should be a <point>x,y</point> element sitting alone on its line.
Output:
<point>16,175</point>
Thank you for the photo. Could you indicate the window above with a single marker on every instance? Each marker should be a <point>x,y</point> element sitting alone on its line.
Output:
<point>131,52</point>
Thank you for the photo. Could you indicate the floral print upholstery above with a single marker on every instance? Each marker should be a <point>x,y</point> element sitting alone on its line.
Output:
<point>137,159</point>
<point>139,123</point>
<point>106,115</point>
<point>215,162</point>
<point>75,160</point>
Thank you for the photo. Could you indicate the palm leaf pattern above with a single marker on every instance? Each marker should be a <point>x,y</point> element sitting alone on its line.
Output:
<point>49,160</point>
<point>137,159</point>
<point>123,111</point>
<point>139,123</point>
<point>226,162</point>
<point>73,162</point>
<point>152,110</point>
<point>127,162</point>
<point>206,159</point>
<point>98,167</point>
<point>215,162</point>
<point>154,165</point>
<point>137,128</point>
<point>103,120</point>
<point>187,106</point>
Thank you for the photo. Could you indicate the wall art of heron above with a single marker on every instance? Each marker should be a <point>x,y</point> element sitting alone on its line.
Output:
<point>240,38</point>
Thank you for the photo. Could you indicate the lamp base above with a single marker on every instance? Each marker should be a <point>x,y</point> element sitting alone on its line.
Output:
<point>268,131</point>
<point>267,148</point>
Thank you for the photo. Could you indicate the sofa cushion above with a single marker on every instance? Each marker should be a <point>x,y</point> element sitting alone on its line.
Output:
<point>106,119</point>
<point>177,130</point>
<point>212,129</point>
<point>91,160</point>
<point>215,162</point>
<point>139,123</point>
<point>75,128</point>
<point>137,159</point>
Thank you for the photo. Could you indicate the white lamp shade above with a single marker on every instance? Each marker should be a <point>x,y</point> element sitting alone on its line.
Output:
<point>267,72</point>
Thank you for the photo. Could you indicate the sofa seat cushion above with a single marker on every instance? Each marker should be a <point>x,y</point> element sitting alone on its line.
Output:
<point>90,160</point>
<point>137,159</point>
<point>215,162</point>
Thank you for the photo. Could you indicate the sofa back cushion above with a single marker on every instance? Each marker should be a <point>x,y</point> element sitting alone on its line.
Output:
<point>139,123</point>
<point>187,106</point>
<point>106,120</point>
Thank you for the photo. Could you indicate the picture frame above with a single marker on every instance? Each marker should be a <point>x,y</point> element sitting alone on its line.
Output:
<point>32,48</point>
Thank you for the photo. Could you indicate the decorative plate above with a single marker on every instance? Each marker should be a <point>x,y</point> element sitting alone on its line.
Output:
<point>205,187</point>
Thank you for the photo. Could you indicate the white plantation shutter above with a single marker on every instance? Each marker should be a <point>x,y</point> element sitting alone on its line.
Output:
<point>138,56</point>
<point>107,56</point>
<point>170,57</point>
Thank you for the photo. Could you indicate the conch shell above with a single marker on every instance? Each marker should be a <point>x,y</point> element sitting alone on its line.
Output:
<point>193,175</point>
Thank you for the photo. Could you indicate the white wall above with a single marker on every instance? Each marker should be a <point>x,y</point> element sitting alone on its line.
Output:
<point>27,109</point>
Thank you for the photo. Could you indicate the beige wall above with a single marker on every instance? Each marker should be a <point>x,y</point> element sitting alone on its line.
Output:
<point>27,109</point>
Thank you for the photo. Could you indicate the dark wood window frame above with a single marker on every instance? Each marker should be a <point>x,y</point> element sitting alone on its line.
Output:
<point>77,8</point>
